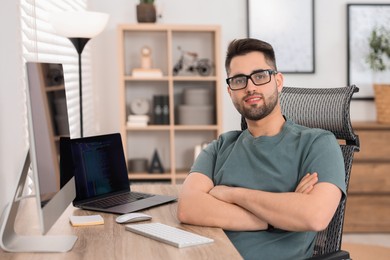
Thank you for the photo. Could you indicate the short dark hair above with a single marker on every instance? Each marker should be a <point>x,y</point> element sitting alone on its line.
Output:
<point>243,46</point>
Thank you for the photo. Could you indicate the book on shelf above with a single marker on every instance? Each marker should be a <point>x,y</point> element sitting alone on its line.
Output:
<point>146,73</point>
<point>161,110</point>
<point>165,110</point>
<point>137,120</point>
<point>136,124</point>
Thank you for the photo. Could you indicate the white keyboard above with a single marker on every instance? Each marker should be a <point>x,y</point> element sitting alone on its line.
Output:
<point>167,234</point>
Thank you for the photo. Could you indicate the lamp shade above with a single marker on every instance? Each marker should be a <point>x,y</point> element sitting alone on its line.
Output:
<point>78,24</point>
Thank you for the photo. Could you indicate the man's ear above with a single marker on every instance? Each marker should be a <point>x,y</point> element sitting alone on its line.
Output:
<point>279,81</point>
<point>229,91</point>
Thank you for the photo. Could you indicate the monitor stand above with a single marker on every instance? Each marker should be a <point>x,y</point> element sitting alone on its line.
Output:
<point>12,242</point>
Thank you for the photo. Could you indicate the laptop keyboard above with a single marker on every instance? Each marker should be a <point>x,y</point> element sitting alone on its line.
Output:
<point>117,200</point>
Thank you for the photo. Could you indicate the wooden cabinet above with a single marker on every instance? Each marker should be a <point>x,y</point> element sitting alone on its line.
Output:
<point>184,127</point>
<point>368,203</point>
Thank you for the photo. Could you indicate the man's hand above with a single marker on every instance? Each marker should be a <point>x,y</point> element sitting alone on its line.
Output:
<point>307,183</point>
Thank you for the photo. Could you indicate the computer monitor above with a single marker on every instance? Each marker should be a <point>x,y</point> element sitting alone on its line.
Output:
<point>44,86</point>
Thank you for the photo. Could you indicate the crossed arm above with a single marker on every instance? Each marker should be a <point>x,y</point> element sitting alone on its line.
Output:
<point>310,207</point>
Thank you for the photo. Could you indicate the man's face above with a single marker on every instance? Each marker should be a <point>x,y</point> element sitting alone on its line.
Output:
<point>254,102</point>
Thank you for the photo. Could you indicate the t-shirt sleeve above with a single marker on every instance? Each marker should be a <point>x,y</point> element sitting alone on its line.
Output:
<point>325,158</point>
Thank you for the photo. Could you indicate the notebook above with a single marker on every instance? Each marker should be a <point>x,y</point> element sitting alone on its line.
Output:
<point>102,184</point>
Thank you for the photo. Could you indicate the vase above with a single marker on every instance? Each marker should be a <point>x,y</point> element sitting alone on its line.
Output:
<point>146,13</point>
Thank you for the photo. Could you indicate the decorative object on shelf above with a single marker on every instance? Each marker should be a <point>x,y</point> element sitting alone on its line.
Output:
<point>364,58</point>
<point>79,27</point>
<point>146,58</point>
<point>189,62</point>
<point>197,108</point>
<point>378,59</point>
<point>146,11</point>
<point>146,70</point>
<point>140,106</point>
<point>139,109</point>
<point>138,165</point>
<point>161,110</point>
<point>156,165</point>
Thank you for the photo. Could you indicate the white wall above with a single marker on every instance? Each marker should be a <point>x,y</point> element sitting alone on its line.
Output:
<point>13,131</point>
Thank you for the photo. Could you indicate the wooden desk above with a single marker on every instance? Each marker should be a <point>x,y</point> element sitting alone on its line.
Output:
<point>112,241</point>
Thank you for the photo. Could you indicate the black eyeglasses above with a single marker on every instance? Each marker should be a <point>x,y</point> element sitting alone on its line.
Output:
<point>258,77</point>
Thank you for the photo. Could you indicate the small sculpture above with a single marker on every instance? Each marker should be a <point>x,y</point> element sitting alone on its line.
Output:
<point>146,59</point>
<point>189,62</point>
<point>146,70</point>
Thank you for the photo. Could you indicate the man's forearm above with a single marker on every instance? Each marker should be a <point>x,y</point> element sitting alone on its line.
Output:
<point>196,206</point>
<point>288,211</point>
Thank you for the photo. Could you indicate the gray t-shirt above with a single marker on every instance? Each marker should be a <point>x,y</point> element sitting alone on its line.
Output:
<point>275,164</point>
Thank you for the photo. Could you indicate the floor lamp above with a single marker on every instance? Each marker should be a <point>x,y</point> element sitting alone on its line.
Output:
<point>79,27</point>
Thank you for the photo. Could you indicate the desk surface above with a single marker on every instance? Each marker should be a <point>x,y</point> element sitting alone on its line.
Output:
<point>112,241</point>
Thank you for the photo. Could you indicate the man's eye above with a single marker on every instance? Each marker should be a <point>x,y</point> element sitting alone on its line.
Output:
<point>259,76</point>
<point>240,80</point>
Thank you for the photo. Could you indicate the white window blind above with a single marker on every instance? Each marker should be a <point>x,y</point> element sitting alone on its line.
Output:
<point>41,44</point>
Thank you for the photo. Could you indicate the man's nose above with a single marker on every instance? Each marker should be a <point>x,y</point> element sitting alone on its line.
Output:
<point>250,87</point>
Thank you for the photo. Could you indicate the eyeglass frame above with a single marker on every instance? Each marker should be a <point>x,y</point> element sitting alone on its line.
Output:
<point>270,73</point>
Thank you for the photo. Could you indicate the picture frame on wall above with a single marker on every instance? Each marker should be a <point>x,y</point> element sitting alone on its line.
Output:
<point>362,19</point>
<point>288,25</point>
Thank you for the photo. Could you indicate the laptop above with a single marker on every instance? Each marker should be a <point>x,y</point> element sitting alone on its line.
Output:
<point>102,184</point>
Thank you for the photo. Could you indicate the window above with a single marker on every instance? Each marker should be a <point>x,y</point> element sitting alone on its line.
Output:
<point>41,44</point>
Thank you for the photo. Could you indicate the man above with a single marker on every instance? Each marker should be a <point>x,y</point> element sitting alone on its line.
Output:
<point>244,182</point>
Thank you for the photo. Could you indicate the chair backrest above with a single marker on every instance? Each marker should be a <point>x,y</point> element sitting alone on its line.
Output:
<point>329,109</point>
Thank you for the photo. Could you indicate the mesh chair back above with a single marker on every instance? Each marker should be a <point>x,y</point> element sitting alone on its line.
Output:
<point>329,109</point>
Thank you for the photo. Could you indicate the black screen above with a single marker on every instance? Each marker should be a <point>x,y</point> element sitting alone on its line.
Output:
<point>99,166</point>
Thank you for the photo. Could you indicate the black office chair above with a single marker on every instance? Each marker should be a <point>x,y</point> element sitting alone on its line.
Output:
<point>329,109</point>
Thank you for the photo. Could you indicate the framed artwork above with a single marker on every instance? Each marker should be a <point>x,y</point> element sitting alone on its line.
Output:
<point>288,25</point>
<point>362,19</point>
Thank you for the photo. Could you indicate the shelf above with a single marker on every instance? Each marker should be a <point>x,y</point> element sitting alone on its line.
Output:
<point>174,142</point>
<point>131,78</point>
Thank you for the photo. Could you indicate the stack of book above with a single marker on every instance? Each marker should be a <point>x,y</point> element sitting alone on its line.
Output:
<point>137,120</point>
<point>146,73</point>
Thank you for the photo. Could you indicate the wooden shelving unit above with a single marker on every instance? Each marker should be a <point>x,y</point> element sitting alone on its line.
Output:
<point>174,142</point>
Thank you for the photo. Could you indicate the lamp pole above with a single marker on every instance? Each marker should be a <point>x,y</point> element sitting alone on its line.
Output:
<point>79,44</point>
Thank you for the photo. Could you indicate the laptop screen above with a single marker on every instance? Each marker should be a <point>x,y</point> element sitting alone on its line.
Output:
<point>99,166</point>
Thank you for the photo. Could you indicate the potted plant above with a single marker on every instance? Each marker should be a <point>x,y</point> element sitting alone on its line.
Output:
<point>378,59</point>
<point>146,11</point>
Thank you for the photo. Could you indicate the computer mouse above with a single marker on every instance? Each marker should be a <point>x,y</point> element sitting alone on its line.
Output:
<point>132,217</point>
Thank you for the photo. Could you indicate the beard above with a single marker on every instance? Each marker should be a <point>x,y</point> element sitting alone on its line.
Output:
<point>256,112</point>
